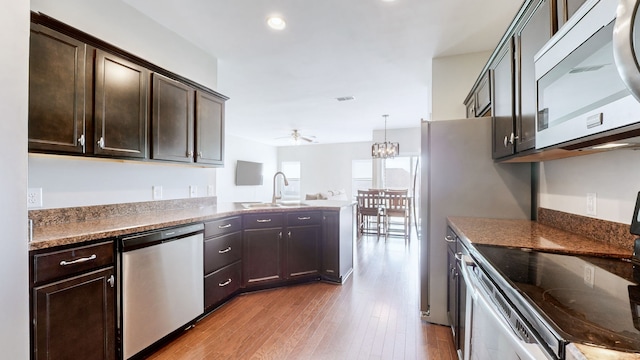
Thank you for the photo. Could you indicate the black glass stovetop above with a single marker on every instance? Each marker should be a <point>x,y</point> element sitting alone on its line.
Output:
<point>589,300</point>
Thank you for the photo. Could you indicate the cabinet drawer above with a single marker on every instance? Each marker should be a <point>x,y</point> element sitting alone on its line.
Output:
<point>222,283</point>
<point>222,226</point>
<point>58,264</point>
<point>221,251</point>
<point>304,218</point>
<point>264,220</point>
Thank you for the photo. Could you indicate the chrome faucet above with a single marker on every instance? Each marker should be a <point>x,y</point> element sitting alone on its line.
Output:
<point>286,183</point>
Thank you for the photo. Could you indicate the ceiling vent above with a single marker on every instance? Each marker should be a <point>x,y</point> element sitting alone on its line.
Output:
<point>345,98</point>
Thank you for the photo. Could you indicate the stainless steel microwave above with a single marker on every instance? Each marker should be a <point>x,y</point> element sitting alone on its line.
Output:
<point>587,75</point>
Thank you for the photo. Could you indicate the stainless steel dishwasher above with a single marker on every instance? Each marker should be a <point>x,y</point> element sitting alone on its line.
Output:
<point>161,285</point>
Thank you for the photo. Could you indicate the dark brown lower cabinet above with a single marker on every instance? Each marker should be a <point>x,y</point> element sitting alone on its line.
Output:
<point>303,251</point>
<point>74,317</point>
<point>221,283</point>
<point>262,259</point>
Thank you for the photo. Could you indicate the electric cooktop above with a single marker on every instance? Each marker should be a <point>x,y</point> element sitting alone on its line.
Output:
<point>585,299</point>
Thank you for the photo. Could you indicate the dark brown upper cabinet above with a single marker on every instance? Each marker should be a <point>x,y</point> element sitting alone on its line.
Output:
<point>121,93</point>
<point>535,31</point>
<point>57,91</point>
<point>209,129</point>
<point>172,121</point>
<point>90,98</point>
<point>503,103</point>
<point>566,8</point>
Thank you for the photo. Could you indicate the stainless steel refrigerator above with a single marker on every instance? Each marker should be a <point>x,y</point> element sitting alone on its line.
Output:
<point>459,178</point>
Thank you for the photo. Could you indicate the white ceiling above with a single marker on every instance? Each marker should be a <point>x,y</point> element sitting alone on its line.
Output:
<point>379,52</point>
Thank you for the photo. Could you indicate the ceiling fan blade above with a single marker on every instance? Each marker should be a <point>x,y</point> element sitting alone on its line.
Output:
<point>306,139</point>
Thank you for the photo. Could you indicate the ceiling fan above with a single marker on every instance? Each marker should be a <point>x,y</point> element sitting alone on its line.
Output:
<point>298,138</point>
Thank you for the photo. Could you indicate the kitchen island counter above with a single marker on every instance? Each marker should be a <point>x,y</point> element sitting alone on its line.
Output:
<point>64,226</point>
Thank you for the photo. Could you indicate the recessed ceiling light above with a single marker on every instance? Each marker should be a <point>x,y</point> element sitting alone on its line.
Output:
<point>276,22</point>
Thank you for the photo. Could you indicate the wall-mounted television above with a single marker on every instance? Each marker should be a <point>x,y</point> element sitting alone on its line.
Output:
<point>248,173</point>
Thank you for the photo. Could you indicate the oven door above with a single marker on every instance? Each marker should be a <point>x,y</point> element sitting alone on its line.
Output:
<point>491,335</point>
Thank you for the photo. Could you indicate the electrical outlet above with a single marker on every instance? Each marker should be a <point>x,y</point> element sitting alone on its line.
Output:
<point>210,190</point>
<point>589,274</point>
<point>193,191</point>
<point>34,198</point>
<point>591,204</point>
<point>157,192</point>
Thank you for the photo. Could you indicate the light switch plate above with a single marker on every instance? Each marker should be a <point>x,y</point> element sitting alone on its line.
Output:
<point>591,204</point>
<point>157,192</point>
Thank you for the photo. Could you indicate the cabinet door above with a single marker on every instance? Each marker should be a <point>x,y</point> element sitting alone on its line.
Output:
<point>503,109</point>
<point>262,262</point>
<point>566,9</point>
<point>74,318</point>
<point>57,91</point>
<point>120,107</point>
<point>172,120</point>
<point>536,31</point>
<point>303,251</point>
<point>209,129</point>
<point>331,246</point>
<point>483,96</point>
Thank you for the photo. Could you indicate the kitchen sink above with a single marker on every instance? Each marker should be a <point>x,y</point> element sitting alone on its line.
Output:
<point>271,205</point>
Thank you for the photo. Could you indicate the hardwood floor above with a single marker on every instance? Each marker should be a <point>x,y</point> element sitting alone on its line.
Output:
<point>374,315</point>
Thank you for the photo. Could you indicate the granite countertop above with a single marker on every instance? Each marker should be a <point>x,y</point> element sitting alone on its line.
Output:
<point>532,235</point>
<point>76,225</point>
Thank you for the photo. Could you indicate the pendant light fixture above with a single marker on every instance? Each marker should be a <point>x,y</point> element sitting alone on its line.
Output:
<point>386,149</point>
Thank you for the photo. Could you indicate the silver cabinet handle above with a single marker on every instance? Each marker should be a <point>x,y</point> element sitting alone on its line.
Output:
<point>459,257</point>
<point>289,234</point>
<point>449,239</point>
<point>513,138</point>
<point>263,220</point>
<point>111,281</point>
<point>224,226</point>
<point>224,250</point>
<point>189,153</point>
<point>101,142</point>
<point>199,154</point>
<point>81,260</point>
<point>506,141</point>
<point>81,140</point>
<point>304,217</point>
<point>223,284</point>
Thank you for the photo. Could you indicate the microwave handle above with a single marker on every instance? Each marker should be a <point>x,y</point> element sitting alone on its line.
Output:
<point>623,53</point>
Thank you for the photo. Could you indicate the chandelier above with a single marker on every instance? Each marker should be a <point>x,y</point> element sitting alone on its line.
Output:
<point>386,149</point>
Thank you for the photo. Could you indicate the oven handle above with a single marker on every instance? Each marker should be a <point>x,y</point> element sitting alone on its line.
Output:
<point>481,299</point>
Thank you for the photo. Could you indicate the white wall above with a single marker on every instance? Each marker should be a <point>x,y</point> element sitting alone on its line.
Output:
<point>452,79</point>
<point>73,181</point>
<point>14,278</point>
<point>325,166</point>
<point>125,27</point>
<point>614,176</point>
<point>237,148</point>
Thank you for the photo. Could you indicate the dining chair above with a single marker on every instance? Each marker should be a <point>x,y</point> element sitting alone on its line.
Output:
<point>396,205</point>
<point>369,206</point>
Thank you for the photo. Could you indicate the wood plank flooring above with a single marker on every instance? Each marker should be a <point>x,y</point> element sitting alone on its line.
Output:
<point>374,315</point>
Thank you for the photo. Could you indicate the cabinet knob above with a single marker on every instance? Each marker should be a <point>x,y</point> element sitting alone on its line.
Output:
<point>189,153</point>
<point>111,281</point>
<point>513,138</point>
<point>101,142</point>
<point>199,154</point>
<point>81,140</point>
